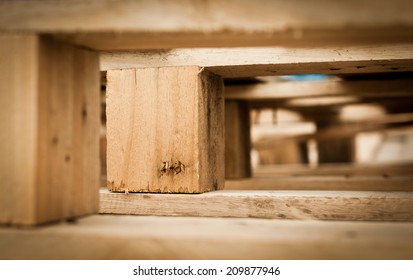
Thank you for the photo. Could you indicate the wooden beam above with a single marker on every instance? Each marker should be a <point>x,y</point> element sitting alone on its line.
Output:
<point>323,183</point>
<point>288,90</point>
<point>131,237</point>
<point>165,130</point>
<point>237,140</point>
<point>151,24</point>
<point>250,62</point>
<point>49,130</point>
<point>320,205</point>
<point>349,170</point>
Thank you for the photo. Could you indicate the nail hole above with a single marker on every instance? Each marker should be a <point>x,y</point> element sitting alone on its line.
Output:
<point>84,113</point>
<point>67,158</point>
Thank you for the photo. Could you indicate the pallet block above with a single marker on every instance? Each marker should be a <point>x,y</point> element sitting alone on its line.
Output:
<point>237,140</point>
<point>165,130</point>
<point>49,94</point>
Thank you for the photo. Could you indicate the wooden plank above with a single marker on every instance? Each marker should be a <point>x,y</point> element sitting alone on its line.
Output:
<point>323,183</point>
<point>349,170</point>
<point>288,90</point>
<point>250,62</point>
<point>165,130</point>
<point>151,24</point>
<point>320,205</point>
<point>50,130</point>
<point>132,237</point>
<point>237,140</point>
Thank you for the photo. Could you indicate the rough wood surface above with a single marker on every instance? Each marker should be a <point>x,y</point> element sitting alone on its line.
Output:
<point>322,205</point>
<point>323,183</point>
<point>49,130</point>
<point>132,237</point>
<point>237,140</point>
<point>165,130</point>
<point>250,62</point>
<point>148,24</point>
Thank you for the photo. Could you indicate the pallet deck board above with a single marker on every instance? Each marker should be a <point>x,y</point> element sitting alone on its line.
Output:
<point>131,237</point>
<point>320,205</point>
<point>251,62</point>
<point>323,183</point>
<point>348,170</point>
<point>279,91</point>
<point>156,24</point>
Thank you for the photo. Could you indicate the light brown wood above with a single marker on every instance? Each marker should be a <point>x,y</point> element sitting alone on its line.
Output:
<point>237,140</point>
<point>148,24</point>
<point>349,170</point>
<point>165,130</point>
<point>250,62</point>
<point>49,130</point>
<point>323,183</point>
<point>282,90</point>
<point>132,237</point>
<point>267,137</point>
<point>320,205</point>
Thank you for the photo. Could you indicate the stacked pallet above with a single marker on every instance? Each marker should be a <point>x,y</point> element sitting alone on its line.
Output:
<point>180,180</point>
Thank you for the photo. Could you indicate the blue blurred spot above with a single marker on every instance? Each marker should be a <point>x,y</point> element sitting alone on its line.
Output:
<point>306,77</point>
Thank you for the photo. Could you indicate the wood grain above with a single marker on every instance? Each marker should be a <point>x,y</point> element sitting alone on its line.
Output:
<point>132,237</point>
<point>165,130</point>
<point>50,130</point>
<point>148,24</point>
<point>237,140</point>
<point>320,205</point>
<point>251,62</point>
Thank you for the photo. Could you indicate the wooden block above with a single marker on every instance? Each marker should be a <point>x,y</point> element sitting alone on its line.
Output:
<point>165,130</point>
<point>135,237</point>
<point>237,140</point>
<point>336,150</point>
<point>49,130</point>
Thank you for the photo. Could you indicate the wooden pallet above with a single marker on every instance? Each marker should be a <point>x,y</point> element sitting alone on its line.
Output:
<point>50,129</point>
